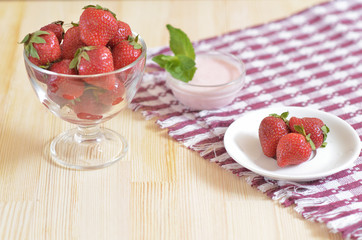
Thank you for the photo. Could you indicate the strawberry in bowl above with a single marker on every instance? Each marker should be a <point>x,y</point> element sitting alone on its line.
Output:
<point>72,69</point>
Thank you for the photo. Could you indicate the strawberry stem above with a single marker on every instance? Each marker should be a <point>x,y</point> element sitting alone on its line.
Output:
<point>301,130</point>
<point>75,24</point>
<point>79,54</point>
<point>134,42</point>
<point>98,7</point>
<point>282,116</point>
<point>59,22</point>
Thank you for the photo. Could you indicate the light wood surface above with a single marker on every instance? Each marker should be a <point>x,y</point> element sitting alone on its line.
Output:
<point>160,190</point>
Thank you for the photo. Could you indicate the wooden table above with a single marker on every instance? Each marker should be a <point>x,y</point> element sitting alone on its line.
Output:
<point>160,190</point>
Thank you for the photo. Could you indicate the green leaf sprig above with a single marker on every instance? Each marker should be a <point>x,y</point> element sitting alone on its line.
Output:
<point>182,65</point>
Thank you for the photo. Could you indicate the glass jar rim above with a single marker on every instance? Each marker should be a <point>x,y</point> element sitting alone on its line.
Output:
<point>48,72</point>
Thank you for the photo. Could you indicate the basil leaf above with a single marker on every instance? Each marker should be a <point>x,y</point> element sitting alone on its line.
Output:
<point>180,43</point>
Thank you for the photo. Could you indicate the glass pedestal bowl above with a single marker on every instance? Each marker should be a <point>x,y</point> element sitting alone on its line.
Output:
<point>88,146</point>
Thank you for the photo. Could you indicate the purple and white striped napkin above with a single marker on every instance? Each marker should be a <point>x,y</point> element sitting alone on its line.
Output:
<point>312,58</point>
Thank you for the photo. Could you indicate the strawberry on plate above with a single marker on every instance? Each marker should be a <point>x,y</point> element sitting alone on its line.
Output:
<point>293,149</point>
<point>94,60</point>
<point>314,126</point>
<point>123,31</point>
<point>126,52</point>
<point>271,129</point>
<point>71,42</point>
<point>62,86</point>
<point>42,47</point>
<point>55,27</point>
<point>97,25</point>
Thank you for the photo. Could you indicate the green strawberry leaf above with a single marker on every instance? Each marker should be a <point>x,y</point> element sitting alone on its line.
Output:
<point>98,7</point>
<point>31,38</point>
<point>182,65</point>
<point>38,33</point>
<point>134,42</point>
<point>75,24</point>
<point>301,130</point>
<point>73,63</point>
<point>325,131</point>
<point>37,39</point>
<point>312,145</point>
<point>283,116</point>
<point>33,52</point>
<point>89,6</point>
<point>80,53</point>
<point>26,38</point>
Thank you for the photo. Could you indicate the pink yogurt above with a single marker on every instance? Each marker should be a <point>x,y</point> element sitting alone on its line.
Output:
<point>218,79</point>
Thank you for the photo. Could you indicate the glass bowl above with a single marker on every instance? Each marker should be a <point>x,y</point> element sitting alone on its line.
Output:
<point>220,76</point>
<point>88,146</point>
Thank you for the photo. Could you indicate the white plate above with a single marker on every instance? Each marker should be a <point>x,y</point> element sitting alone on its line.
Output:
<point>242,143</point>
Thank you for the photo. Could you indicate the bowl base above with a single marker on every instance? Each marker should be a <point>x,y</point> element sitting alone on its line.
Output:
<point>81,149</point>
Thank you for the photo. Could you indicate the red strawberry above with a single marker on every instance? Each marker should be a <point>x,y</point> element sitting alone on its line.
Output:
<point>57,99</point>
<point>71,42</point>
<point>271,129</point>
<point>122,33</point>
<point>94,60</point>
<point>57,28</point>
<point>41,47</point>
<point>113,97</point>
<point>126,52</point>
<point>293,149</point>
<point>87,106</point>
<point>314,126</point>
<point>68,88</point>
<point>97,25</point>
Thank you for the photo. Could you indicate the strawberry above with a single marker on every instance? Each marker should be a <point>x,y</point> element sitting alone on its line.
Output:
<point>122,33</point>
<point>57,99</point>
<point>97,25</point>
<point>93,60</point>
<point>41,47</point>
<point>271,129</point>
<point>55,27</point>
<point>87,106</point>
<point>126,52</point>
<point>65,87</point>
<point>71,42</point>
<point>293,149</point>
<point>114,96</point>
<point>314,126</point>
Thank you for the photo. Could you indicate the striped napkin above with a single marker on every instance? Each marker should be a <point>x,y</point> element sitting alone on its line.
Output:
<point>312,58</point>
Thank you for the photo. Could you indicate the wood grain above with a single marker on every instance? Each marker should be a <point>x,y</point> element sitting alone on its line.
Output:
<point>160,190</point>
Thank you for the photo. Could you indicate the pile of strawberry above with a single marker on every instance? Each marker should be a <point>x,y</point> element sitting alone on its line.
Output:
<point>291,141</point>
<point>99,43</point>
